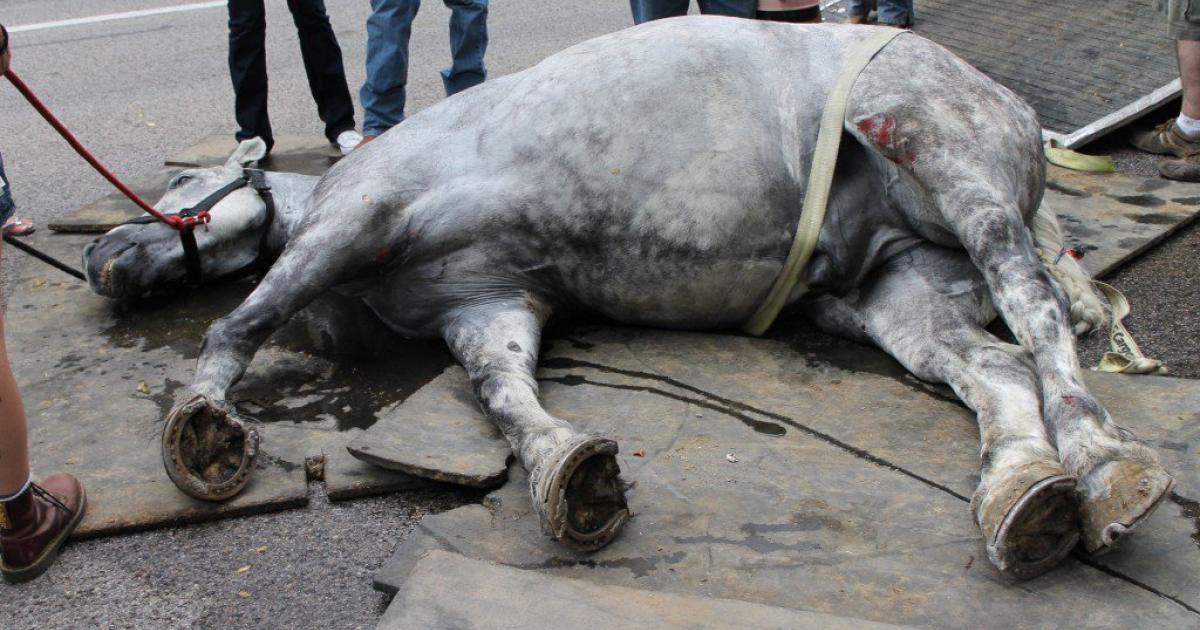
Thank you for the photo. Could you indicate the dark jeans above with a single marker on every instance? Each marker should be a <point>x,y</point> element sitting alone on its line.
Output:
<point>646,10</point>
<point>322,62</point>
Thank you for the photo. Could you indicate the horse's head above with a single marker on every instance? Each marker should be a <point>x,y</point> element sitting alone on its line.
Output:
<point>142,256</point>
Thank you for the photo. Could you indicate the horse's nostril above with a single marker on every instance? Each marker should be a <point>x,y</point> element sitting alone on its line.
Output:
<point>101,264</point>
<point>106,274</point>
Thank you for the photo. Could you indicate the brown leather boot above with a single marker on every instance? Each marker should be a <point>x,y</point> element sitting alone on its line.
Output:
<point>35,524</point>
<point>857,19</point>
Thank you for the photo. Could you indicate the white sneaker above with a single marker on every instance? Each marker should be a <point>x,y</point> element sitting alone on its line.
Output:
<point>347,140</point>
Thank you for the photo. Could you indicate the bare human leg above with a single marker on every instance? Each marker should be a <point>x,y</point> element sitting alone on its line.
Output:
<point>35,519</point>
<point>1188,54</point>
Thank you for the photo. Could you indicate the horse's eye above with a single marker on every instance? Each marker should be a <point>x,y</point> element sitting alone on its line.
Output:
<point>181,180</point>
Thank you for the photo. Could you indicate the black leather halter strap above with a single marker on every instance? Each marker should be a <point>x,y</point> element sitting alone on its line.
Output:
<point>254,178</point>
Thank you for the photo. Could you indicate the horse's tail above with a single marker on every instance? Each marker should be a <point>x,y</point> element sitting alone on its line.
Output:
<point>1087,307</point>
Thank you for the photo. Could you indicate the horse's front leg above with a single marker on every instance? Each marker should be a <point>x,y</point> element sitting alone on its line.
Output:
<point>574,478</point>
<point>208,452</point>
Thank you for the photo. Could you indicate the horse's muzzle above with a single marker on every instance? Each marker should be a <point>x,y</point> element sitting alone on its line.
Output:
<point>105,265</point>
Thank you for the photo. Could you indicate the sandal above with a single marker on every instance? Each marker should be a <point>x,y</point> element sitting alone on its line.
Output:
<point>16,226</point>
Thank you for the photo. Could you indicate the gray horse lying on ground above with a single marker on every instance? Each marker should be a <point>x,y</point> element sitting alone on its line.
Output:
<point>655,176</point>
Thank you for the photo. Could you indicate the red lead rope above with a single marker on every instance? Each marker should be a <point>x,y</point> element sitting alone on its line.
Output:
<point>174,221</point>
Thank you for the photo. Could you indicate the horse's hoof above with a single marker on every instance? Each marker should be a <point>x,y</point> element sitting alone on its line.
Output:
<point>1030,521</point>
<point>1116,497</point>
<point>578,493</point>
<point>208,453</point>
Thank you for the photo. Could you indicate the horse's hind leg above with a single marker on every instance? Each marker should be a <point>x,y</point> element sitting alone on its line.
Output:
<point>971,151</point>
<point>926,308</point>
<point>1120,479</point>
<point>574,478</point>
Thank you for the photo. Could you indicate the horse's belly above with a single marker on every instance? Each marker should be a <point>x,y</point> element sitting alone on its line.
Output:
<point>718,295</point>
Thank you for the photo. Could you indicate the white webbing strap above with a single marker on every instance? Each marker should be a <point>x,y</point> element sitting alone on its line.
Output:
<point>820,179</point>
<point>1125,357</point>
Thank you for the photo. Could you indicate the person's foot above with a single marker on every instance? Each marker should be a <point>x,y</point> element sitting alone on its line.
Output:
<point>35,524</point>
<point>348,141</point>
<point>857,19</point>
<point>1167,139</point>
<point>16,226</point>
<point>1181,169</point>
<point>365,140</point>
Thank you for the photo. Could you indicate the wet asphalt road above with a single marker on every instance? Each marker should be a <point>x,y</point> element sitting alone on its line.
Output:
<point>136,90</point>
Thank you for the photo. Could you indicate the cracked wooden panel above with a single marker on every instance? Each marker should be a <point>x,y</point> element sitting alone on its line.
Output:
<point>1111,218</point>
<point>821,478</point>
<point>433,599</point>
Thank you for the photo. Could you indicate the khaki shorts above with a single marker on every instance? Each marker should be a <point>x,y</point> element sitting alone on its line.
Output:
<point>1183,19</point>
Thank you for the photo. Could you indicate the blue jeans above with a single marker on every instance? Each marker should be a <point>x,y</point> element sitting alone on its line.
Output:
<point>890,12</point>
<point>646,10</point>
<point>7,207</point>
<point>388,30</point>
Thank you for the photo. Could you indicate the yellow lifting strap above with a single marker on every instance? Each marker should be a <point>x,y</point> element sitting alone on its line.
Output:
<point>820,179</point>
<point>1124,355</point>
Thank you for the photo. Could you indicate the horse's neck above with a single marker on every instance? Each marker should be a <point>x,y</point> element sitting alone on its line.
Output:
<point>290,193</point>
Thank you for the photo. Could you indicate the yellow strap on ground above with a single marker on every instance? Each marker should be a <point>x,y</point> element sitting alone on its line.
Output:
<point>1076,161</point>
<point>1125,357</point>
<point>820,180</point>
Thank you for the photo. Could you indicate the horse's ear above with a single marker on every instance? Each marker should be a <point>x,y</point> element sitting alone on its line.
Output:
<point>248,152</point>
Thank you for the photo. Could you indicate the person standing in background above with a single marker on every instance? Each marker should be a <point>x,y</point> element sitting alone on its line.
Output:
<point>383,95</point>
<point>35,520</point>
<point>1179,137</point>
<point>322,63</point>
<point>646,10</point>
<point>897,13</point>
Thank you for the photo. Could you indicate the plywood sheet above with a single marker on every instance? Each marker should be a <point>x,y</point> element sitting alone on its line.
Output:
<point>848,496</point>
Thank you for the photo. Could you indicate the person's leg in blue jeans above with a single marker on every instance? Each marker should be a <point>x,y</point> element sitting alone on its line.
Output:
<point>858,10</point>
<point>248,69</point>
<point>468,44</point>
<point>383,93</point>
<point>896,12</point>
<point>323,65</point>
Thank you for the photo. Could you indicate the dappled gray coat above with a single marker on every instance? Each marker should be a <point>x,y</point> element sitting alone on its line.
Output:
<point>655,176</point>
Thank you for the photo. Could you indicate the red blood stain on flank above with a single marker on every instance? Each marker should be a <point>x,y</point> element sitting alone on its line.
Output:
<point>885,130</point>
<point>880,129</point>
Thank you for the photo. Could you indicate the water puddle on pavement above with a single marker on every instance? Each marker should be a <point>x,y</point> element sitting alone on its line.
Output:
<point>292,379</point>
